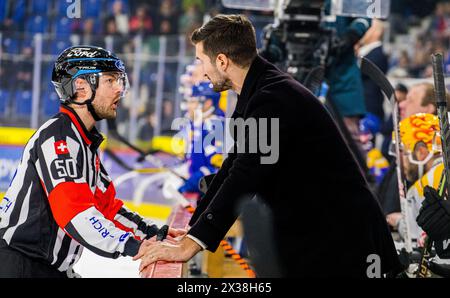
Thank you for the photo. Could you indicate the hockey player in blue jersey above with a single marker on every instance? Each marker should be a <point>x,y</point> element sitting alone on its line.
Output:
<point>204,135</point>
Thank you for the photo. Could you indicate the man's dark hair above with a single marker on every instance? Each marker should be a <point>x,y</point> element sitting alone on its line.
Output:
<point>232,35</point>
<point>401,88</point>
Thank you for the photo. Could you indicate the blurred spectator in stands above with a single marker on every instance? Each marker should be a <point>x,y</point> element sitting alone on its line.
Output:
<point>87,29</point>
<point>24,68</point>
<point>388,126</point>
<point>168,17</point>
<point>135,4</point>
<point>167,116</point>
<point>111,26</point>
<point>168,24</point>
<point>120,17</point>
<point>372,49</point>
<point>7,79</point>
<point>214,10</point>
<point>191,19</point>
<point>165,27</point>
<point>401,70</point>
<point>447,64</point>
<point>421,57</point>
<point>439,26</point>
<point>111,31</point>
<point>447,8</point>
<point>200,4</point>
<point>3,77</point>
<point>438,47</point>
<point>13,12</point>
<point>141,22</point>
<point>147,126</point>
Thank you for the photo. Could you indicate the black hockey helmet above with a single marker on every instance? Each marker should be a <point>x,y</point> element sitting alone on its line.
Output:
<point>87,62</point>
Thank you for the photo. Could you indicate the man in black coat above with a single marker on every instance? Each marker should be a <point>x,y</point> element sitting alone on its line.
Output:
<point>326,221</point>
<point>372,49</point>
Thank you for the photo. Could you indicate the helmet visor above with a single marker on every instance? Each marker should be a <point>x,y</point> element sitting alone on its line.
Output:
<point>116,80</point>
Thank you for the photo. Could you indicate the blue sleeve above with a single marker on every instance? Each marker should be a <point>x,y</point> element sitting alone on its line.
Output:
<point>192,184</point>
<point>360,25</point>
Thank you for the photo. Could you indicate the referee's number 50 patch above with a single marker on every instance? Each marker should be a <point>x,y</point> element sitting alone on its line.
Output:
<point>64,168</point>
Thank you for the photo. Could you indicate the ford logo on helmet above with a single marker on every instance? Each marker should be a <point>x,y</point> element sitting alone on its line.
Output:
<point>120,65</point>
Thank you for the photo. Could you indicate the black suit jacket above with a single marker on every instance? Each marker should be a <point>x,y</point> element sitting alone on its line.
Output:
<point>324,213</point>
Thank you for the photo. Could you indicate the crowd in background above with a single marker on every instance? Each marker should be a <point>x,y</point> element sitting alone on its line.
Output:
<point>112,24</point>
<point>424,35</point>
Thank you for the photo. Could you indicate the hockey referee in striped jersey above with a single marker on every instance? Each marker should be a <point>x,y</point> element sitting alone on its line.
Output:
<point>61,199</point>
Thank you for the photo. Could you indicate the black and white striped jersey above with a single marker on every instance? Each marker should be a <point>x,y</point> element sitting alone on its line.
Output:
<point>61,199</point>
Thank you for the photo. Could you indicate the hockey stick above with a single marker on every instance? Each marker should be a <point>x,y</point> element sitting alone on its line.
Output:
<point>118,160</point>
<point>125,166</point>
<point>441,104</point>
<point>112,129</point>
<point>378,77</point>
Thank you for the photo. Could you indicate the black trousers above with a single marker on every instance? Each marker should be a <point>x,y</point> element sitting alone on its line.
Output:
<point>14,264</point>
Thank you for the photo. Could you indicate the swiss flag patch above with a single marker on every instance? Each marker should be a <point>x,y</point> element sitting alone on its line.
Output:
<point>61,147</point>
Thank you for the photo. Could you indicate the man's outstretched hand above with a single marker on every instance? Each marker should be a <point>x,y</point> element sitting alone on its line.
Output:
<point>153,251</point>
<point>175,233</point>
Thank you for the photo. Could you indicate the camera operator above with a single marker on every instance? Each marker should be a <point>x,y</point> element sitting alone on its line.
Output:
<point>305,35</point>
<point>343,74</point>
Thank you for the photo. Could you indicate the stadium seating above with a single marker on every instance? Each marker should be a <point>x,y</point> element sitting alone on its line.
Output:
<point>2,10</point>
<point>22,101</point>
<point>19,12</point>
<point>58,45</point>
<point>92,8</point>
<point>50,103</point>
<point>4,101</point>
<point>40,7</point>
<point>63,26</point>
<point>61,8</point>
<point>37,24</point>
<point>10,45</point>
<point>125,6</point>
